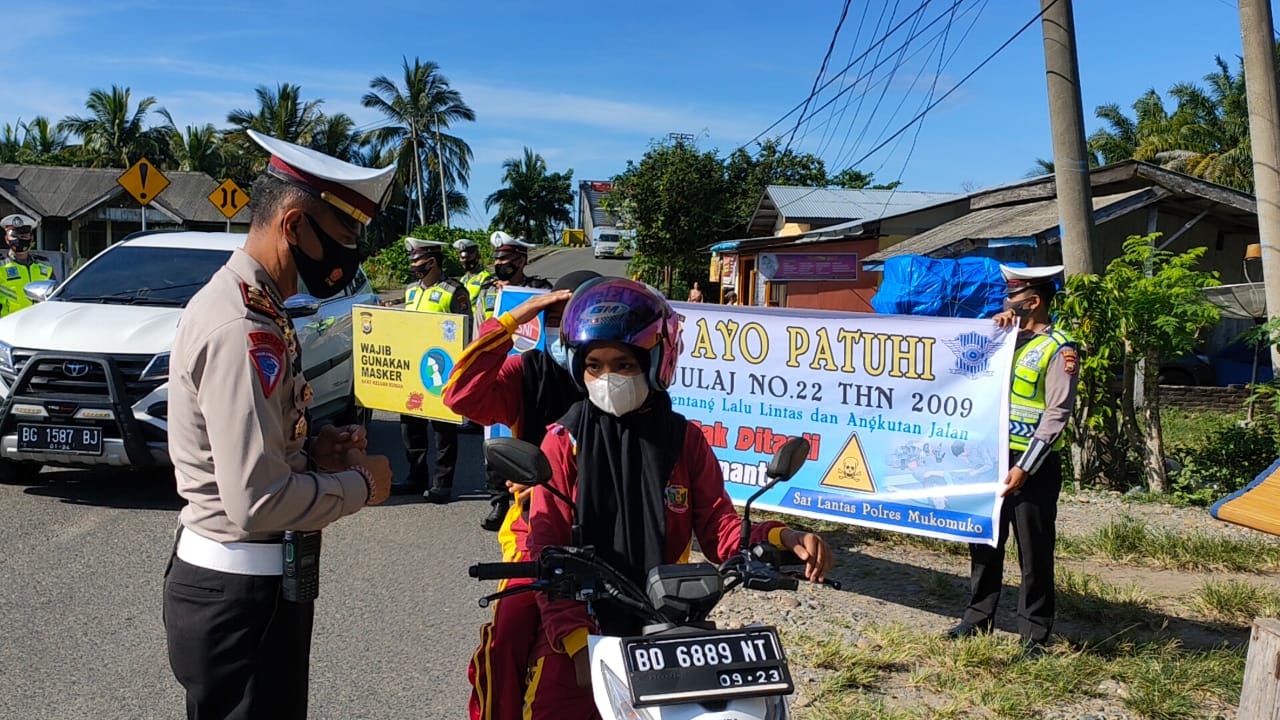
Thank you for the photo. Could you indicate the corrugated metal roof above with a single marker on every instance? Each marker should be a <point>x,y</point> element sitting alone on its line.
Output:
<point>64,192</point>
<point>801,203</point>
<point>1008,222</point>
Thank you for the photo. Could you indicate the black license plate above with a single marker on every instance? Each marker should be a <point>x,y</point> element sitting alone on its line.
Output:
<point>707,666</point>
<point>60,438</point>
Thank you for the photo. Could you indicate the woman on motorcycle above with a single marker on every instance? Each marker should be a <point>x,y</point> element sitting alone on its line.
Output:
<point>644,480</point>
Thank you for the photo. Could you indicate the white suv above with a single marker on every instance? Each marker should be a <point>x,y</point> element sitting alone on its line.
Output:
<point>83,375</point>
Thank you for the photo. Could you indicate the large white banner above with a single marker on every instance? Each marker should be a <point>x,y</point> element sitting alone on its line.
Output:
<point>908,417</point>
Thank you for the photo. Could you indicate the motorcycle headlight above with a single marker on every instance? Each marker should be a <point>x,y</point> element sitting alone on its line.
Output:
<point>157,369</point>
<point>6,358</point>
<point>620,697</point>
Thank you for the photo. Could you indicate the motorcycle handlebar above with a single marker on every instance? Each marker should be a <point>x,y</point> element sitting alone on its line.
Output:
<point>503,571</point>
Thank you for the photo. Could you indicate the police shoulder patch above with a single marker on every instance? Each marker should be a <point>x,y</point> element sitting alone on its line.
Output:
<point>1070,360</point>
<point>269,365</point>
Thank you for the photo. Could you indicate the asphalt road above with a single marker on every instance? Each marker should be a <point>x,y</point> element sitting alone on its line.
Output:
<point>565,260</point>
<point>82,554</point>
<point>81,561</point>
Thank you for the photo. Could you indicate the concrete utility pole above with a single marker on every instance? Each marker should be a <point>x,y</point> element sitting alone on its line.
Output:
<point>1264,113</point>
<point>1066,120</point>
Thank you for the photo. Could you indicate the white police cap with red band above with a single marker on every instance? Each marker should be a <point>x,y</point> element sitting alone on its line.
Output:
<point>1018,279</point>
<point>357,191</point>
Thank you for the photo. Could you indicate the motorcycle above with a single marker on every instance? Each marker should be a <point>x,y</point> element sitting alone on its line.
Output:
<point>682,667</point>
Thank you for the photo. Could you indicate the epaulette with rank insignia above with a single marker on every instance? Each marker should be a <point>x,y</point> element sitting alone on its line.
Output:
<point>256,299</point>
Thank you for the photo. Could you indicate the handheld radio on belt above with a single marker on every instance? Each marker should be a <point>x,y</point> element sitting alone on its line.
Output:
<point>301,580</point>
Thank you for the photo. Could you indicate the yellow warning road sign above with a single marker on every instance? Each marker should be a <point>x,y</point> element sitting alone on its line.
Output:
<point>144,181</point>
<point>228,198</point>
<point>849,471</point>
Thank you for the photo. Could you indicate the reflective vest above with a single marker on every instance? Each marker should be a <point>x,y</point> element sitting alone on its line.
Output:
<point>438,298</point>
<point>472,283</point>
<point>1027,392</point>
<point>14,277</point>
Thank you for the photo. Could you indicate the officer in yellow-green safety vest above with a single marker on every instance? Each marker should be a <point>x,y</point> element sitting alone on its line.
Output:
<point>1042,394</point>
<point>433,293</point>
<point>21,268</point>
<point>474,274</point>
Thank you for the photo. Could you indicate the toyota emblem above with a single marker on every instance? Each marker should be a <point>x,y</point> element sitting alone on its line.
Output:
<point>75,369</point>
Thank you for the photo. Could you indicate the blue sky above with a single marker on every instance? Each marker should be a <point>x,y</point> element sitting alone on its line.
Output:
<point>590,85</point>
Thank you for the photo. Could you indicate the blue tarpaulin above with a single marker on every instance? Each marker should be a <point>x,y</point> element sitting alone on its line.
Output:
<point>969,287</point>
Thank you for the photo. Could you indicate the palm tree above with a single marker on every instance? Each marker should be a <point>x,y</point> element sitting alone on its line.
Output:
<point>42,142</point>
<point>281,114</point>
<point>336,136</point>
<point>198,148</point>
<point>533,199</point>
<point>113,135</point>
<point>420,112</point>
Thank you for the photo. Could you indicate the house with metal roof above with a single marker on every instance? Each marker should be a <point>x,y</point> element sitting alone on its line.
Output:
<point>805,245</point>
<point>83,210</point>
<point>1019,221</point>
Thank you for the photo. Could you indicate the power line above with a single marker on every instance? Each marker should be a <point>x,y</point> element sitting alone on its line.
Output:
<point>821,71</point>
<point>857,36</point>
<point>945,95</point>
<point>788,114</point>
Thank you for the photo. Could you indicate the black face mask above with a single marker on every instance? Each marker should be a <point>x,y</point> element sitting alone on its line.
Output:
<point>422,270</point>
<point>471,264</point>
<point>1021,308</point>
<point>335,269</point>
<point>505,271</point>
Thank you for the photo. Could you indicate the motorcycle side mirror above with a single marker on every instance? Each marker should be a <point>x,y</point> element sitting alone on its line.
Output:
<point>517,460</point>
<point>787,461</point>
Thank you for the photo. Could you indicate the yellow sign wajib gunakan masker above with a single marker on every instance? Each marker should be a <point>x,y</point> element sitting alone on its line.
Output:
<point>403,359</point>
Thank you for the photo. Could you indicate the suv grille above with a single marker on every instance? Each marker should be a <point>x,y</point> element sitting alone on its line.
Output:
<point>74,378</point>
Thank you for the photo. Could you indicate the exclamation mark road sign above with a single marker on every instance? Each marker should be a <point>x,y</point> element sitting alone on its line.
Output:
<point>143,181</point>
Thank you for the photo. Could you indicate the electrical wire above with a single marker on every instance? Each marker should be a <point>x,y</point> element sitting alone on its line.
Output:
<point>857,36</point>
<point>821,71</point>
<point>945,95</point>
<point>835,77</point>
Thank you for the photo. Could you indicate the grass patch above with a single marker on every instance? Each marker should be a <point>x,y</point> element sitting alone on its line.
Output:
<point>1129,540</point>
<point>988,676</point>
<point>1089,598</point>
<point>1235,601</point>
<point>1188,427</point>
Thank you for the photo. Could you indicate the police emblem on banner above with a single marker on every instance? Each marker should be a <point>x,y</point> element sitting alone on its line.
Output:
<point>449,329</point>
<point>973,353</point>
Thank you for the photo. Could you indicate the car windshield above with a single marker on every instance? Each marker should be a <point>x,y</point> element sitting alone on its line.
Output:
<point>141,275</point>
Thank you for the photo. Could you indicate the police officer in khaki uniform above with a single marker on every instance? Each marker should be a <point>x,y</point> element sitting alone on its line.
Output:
<point>510,256</point>
<point>431,293</point>
<point>21,268</point>
<point>1042,395</point>
<point>239,590</point>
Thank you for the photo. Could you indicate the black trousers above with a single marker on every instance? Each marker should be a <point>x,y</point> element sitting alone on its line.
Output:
<point>1032,512</point>
<point>499,495</point>
<point>238,648</point>
<point>415,432</point>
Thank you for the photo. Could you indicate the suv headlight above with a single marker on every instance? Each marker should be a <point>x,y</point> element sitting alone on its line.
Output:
<point>157,369</point>
<point>6,358</point>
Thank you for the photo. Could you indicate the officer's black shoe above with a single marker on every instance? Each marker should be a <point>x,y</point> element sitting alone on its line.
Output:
<point>407,488</point>
<point>493,521</point>
<point>967,629</point>
<point>437,495</point>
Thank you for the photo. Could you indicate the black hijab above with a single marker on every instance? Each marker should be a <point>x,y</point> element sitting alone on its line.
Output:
<point>624,465</point>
